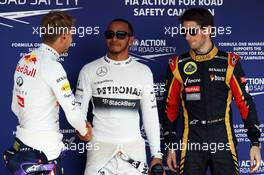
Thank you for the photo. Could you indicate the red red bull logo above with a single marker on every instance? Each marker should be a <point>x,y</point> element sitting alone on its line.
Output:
<point>26,71</point>
<point>31,58</point>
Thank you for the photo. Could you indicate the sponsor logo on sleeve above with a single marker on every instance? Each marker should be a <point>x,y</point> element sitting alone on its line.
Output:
<point>66,87</point>
<point>61,79</point>
<point>68,95</point>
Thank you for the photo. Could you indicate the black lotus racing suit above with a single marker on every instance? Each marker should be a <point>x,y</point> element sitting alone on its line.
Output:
<point>206,85</point>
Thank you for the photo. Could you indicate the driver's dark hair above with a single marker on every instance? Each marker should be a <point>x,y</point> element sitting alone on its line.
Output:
<point>201,16</point>
<point>130,27</point>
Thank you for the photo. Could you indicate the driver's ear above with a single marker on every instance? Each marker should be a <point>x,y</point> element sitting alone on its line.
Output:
<point>63,36</point>
<point>131,40</point>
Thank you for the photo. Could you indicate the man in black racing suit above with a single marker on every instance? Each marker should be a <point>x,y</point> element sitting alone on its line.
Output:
<point>205,80</point>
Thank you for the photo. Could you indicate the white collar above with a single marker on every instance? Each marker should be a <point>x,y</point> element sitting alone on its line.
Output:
<point>110,61</point>
<point>52,51</point>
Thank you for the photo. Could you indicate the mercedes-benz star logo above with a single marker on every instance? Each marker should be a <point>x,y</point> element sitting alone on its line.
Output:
<point>19,81</point>
<point>101,71</point>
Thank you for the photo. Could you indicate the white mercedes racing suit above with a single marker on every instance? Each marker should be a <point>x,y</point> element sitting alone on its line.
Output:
<point>118,89</point>
<point>40,87</point>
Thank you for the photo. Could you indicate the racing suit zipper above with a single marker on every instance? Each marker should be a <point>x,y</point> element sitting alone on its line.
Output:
<point>204,89</point>
<point>204,96</point>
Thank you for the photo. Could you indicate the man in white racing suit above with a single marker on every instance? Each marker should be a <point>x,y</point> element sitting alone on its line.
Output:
<point>40,87</point>
<point>118,86</point>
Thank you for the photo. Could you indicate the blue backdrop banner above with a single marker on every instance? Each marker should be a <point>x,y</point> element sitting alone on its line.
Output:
<point>239,28</point>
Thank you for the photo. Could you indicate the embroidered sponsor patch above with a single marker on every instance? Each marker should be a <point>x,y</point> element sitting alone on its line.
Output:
<point>30,59</point>
<point>190,81</point>
<point>191,89</point>
<point>190,68</point>
<point>61,79</point>
<point>20,101</point>
<point>213,69</point>
<point>101,71</point>
<point>66,87</point>
<point>214,77</point>
<point>193,97</point>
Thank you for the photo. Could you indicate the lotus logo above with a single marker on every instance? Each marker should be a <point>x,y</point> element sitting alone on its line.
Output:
<point>190,68</point>
<point>101,71</point>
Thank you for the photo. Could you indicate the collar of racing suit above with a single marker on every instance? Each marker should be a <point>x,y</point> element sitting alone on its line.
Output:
<point>110,61</point>
<point>204,57</point>
<point>50,50</point>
